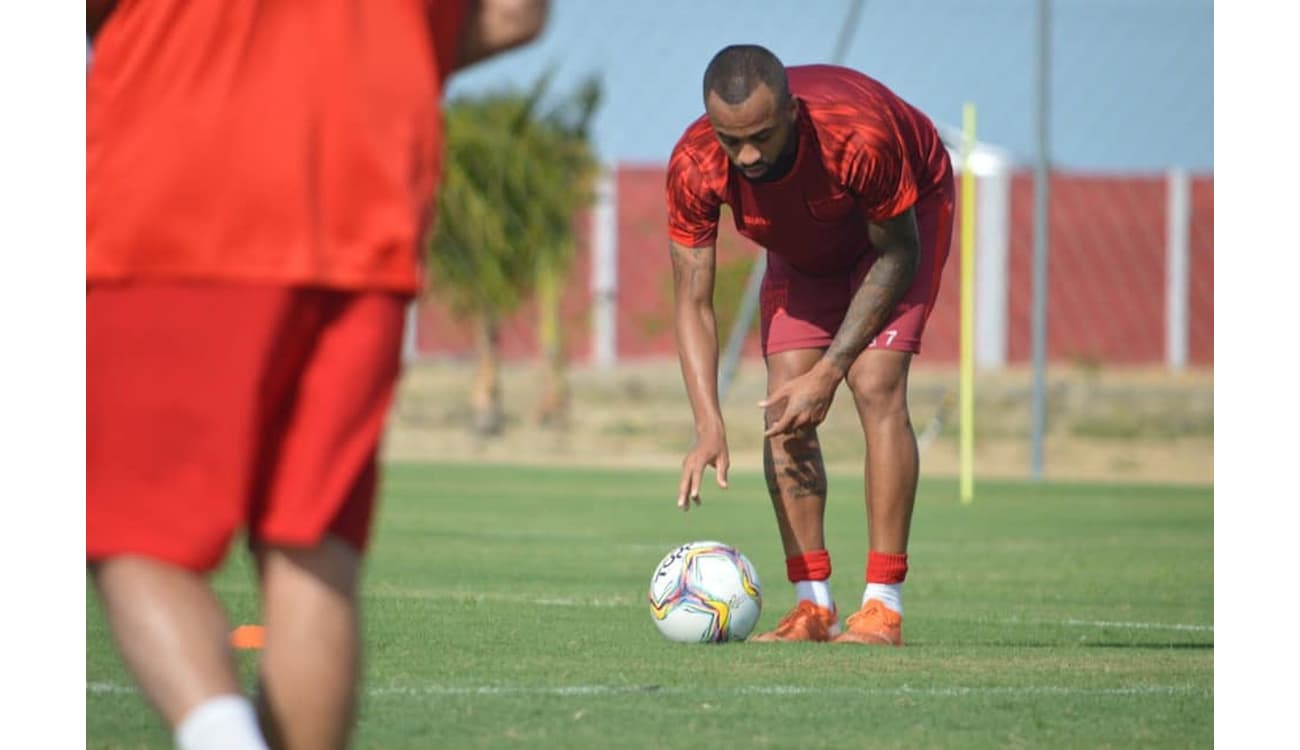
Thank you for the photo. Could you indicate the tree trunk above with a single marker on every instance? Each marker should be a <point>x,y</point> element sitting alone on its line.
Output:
<point>486,394</point>
<point>552,408</point>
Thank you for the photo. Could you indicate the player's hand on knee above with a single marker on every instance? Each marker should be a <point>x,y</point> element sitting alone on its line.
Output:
<point>800,404</point>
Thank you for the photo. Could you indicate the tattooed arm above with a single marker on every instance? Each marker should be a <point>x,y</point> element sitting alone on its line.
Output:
<point>697,349</point>
<point>889,278</point>
<point>808,397</point>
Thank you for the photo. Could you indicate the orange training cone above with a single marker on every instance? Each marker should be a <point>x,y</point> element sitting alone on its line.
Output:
<point>248,637</point>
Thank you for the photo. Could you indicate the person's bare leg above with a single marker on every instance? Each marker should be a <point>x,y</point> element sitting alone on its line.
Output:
<point>170,630</point>
<point>311,660</point>
<point>792,464</point>
<point>878,380</point>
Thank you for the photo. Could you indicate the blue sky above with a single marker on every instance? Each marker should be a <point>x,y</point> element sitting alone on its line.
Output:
<point>1132,80</point>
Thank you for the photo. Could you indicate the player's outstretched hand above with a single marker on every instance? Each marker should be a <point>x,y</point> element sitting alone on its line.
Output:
<point>710,450</point>
<point>798,404</point>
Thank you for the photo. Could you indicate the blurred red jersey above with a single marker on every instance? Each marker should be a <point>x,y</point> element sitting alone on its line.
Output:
<point>864,155</point>
<point>266,141</point>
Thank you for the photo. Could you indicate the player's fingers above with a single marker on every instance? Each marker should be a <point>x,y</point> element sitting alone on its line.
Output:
<point>780,426</point>
<point>724,463</point>
<point>774,416</point>
<point>697,481</point>
<point>683,487</point>
<point>775,397</point>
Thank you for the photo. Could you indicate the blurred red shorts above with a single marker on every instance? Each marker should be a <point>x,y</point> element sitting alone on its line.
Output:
<point>218,407</point>
<point>800,311</point>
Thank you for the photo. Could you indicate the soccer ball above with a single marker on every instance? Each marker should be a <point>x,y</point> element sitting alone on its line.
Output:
<point>705,592</point>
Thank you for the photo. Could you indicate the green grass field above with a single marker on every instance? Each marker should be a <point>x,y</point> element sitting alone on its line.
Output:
<point>505,607</point>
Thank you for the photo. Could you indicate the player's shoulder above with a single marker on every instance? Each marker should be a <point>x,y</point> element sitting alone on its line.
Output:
<point>831,89</point>
<point>697,142</point>
<point>849,109</point>
<point>831,82</point>
<point>697,155</point>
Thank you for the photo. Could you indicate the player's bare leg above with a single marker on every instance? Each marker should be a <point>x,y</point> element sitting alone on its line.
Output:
<point>170,630</point>
<point>878,381</point>
<point>312,657</point>
<point>796,483</point>
<point>792,464</point>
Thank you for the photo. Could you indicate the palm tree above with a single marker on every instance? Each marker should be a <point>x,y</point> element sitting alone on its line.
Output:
<point>514,180</point>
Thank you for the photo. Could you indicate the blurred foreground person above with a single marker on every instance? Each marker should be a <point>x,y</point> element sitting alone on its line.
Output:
<point>260,175</point>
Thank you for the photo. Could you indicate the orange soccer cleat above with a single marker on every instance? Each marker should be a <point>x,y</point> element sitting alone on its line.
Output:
<point>806,622</point>
<point>874,624</point>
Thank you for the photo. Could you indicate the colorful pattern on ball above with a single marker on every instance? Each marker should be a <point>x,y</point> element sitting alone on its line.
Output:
<point>678,586</point>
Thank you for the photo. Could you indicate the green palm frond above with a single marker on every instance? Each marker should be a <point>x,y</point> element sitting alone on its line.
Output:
<point>514,180</point>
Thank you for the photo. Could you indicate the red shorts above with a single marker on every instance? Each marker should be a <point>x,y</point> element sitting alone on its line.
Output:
<point>216,407</point>
<point>800,311</point>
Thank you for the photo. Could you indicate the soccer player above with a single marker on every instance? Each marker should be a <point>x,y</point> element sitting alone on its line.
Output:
<point>260,174</point>
<point>850,191</point>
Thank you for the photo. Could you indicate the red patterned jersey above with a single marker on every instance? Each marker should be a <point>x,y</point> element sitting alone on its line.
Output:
<point>864,155</point>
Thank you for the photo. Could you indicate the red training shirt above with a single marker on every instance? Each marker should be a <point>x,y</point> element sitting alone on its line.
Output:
<point>266,141</point>
<point>864,155</point>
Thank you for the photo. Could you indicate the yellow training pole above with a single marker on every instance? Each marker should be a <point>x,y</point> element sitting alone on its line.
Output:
<point>967,387</point>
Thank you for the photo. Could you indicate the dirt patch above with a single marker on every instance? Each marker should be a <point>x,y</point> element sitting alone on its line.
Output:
<point>1120,425</point>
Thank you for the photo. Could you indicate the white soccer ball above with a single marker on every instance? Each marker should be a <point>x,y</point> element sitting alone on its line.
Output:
<point>705,592</point>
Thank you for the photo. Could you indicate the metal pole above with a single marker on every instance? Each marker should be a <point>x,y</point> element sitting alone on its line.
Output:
<point>1039,320</point>
<point>846,32</point>
<point>967,378</point>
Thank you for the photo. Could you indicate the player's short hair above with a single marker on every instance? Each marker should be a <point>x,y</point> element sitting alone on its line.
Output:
<point>736,71</point>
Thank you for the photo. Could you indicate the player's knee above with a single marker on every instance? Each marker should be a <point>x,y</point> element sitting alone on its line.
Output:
<point>877,392</point>
<point>332,563</point>
<point>794,444</point>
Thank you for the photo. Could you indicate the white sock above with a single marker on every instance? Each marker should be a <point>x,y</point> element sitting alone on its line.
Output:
<point>226,722</point>
<point>889,594</point>
<point>817,592</point>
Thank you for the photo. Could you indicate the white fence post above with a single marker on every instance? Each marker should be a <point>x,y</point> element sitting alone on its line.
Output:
<point>1178,216</point>
<point>604,270</point>
<point>992,263</point>
<point>410,348</point>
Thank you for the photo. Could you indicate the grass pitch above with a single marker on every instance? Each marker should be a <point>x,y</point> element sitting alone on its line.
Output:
<point>505,607</point>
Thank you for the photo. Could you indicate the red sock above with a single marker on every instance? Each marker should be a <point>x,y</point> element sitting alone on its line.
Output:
<point>883,568</point>
<point>810,566</point>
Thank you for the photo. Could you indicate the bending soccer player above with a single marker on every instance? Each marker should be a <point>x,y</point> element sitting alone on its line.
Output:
<point>850,190</point>
<point>259,176</point>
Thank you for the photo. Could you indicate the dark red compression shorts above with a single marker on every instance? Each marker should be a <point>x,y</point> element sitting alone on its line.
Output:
<point>800,311</point>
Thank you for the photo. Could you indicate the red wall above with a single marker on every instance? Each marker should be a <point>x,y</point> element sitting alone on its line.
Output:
<point>1105,292</point>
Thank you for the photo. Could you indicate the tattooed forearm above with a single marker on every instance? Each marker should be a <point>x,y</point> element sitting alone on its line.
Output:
<point>872,305</point>
<point>885,284</point>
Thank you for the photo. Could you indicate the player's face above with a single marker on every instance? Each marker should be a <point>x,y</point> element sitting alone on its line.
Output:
<point>755,132</point>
